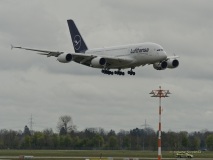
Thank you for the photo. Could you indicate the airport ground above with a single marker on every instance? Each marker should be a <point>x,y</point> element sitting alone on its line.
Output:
<point>96,154</point>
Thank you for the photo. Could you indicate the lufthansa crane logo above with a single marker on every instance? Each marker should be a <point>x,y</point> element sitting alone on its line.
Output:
<point>77,42</point>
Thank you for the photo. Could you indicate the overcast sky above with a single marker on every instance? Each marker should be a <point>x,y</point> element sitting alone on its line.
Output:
<point>47,89</point>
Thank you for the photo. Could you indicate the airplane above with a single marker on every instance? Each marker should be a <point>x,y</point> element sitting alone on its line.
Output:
<point>110,58</point>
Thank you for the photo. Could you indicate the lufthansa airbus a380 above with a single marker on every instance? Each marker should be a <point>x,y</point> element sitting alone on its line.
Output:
<point>109,58</point>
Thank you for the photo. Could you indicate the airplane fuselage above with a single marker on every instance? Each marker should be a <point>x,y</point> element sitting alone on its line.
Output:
<point>136,54</point>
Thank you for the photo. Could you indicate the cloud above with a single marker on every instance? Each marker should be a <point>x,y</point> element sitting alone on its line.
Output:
<point>34,84</point>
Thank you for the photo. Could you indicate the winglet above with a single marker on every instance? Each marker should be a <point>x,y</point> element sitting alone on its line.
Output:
<point>12,46</point>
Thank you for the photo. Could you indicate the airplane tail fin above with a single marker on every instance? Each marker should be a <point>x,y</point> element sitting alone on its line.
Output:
<point>77,40</point>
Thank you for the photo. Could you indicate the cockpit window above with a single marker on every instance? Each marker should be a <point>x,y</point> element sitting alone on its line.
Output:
<point>159,49</point>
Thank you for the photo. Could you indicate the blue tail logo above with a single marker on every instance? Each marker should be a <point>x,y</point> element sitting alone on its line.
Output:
<point>77,42</point>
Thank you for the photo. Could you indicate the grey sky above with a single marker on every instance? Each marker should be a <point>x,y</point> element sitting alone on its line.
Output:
<point>34,84</point>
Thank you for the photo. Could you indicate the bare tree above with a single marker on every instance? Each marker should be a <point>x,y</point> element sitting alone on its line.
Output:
<point>65,123</point>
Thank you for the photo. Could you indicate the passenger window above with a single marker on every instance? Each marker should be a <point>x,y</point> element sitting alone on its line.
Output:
<point>159,49</point>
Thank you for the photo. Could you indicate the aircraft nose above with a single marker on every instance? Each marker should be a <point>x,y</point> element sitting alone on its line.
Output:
<point>164,55</point>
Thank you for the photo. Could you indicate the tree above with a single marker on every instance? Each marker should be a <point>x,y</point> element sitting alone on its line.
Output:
<point>136,135</point>
<point>65,141</point>
<point>171,140</point>
<point>98,141</point>
<point>55,140</point>
<point>9,139</point>
<point>194,142</point>
<point>113,142</point>
<point>27,142</point>
<point>126,142</point>
<point>62,131</point>
<point>66,123</point>
<point>209,141</point>
<point>38,140</point>
<point>184,139</point>
<point>90,132</point>
<point>27,131</point>
<point>48,138</point>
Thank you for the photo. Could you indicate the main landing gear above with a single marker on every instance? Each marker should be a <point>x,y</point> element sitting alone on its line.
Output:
<point>104,71</point>
<point>118,72</point>
<point>131,72</point>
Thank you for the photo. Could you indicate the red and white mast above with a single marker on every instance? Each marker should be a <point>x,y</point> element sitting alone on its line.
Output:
<point>159,93</point>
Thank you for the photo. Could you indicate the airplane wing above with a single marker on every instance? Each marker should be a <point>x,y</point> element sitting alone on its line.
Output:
<point>41,52</point>
<point>172,57</point>
<point>84,59</point>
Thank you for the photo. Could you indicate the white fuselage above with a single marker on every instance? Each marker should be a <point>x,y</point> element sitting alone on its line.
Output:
<point>135,54</point>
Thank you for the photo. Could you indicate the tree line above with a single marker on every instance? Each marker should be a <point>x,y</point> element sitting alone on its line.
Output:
<point>68,137</point>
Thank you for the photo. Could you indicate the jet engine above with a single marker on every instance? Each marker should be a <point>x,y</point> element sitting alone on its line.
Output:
<point>98,62</point>
<point>65,58</point>
<point>160,65</point>
<point>172,63</point>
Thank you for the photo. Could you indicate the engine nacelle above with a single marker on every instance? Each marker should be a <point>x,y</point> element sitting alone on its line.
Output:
<point>160,65</point>
<point>65,58</point>
<point>98,62</point>
<point>172,63</point>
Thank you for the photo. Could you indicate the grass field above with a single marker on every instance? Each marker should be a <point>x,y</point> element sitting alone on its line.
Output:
<point>96,153</point>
